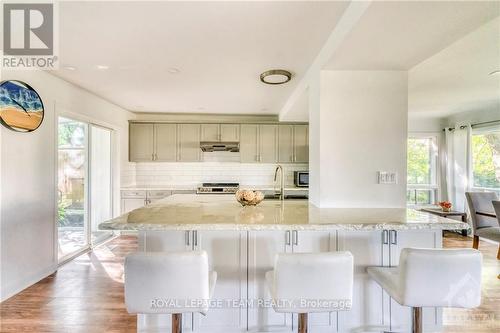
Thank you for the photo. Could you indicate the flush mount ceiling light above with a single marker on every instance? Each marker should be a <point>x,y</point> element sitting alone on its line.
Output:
<point>173,70</point>
<point>276,76</point>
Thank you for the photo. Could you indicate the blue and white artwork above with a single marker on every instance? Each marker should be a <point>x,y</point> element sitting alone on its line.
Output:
<point>21,108</point>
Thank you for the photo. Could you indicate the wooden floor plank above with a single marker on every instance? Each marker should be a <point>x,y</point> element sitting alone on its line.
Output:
<point>86,295</point>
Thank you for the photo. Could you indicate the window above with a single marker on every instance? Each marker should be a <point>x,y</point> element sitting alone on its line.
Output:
<point>422,188</point>
<point>486,159</point>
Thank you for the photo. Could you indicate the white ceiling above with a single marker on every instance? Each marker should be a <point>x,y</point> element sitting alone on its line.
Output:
<point>220,49</point>
<point>456,79</point>
<point>397,35</point>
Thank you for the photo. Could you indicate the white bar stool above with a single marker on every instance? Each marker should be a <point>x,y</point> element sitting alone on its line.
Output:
<point>311,282</point>
<point>168,283</point>
<point>434,278</point>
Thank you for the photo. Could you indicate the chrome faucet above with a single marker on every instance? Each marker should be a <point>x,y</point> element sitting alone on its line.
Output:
<point>282,181</point>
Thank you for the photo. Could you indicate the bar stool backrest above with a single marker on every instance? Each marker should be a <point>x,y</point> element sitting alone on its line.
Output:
<point>440,277</point>
<point>159,282</point>
<point>314,282</point>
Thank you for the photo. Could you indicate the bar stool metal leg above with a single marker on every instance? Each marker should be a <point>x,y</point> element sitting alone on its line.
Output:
<point>177,323</point>
<point>302,322</point>
<point>416,320</point>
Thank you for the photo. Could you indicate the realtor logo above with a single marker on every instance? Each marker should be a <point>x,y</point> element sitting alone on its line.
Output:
<point>28,36</point>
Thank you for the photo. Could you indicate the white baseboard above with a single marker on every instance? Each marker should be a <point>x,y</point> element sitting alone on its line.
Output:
<point>19,285</point>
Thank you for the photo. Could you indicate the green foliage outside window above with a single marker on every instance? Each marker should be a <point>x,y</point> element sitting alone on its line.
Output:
<point>419,161</point>
<point>486,160</point>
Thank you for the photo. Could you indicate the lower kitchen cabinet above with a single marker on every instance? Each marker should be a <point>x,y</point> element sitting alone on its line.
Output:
<point>227,255</point>
<point>133,199</point>
<point>242,258</point>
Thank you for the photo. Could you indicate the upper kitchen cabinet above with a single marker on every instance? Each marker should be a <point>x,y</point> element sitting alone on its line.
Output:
<point>300,143</point>
<point>285,143</point>
<point>165,142</point>
<point>141,142</point>
<point>268,152</point>
<point>188,143</point>
<point>230,132</point>
<point>220,132</point>
<point>259,143</point>
<point>249,143</point>
<point>210,132</point>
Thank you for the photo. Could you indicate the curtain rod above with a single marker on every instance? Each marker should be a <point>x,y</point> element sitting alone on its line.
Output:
<point>473,125</point>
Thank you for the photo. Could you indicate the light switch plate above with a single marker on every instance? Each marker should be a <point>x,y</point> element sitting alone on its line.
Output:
<point>387,177</point>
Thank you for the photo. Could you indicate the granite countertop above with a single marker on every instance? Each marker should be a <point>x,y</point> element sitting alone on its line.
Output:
<point>217,212</point>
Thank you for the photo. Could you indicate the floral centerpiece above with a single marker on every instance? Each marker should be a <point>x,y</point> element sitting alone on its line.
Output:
<point>445,206</point>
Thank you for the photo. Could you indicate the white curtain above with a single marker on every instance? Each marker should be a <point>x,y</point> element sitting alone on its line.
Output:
<point>457,165</point>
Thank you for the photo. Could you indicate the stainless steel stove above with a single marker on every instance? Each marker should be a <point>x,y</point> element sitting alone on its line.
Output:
<point>220,188</point>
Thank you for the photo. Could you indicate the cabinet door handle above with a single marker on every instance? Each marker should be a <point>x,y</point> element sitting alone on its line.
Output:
<point>195,238</point>
<point>295,237</point>
<point>394,237</point>
<point>287,237</point>
<point>385,237</point>
<point>187,237</point>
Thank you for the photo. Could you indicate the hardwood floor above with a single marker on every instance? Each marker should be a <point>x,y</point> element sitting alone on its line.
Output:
<point>86,295</point>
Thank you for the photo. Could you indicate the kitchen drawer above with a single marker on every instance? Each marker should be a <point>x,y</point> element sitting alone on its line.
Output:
<point>184,192</point>
<point>133,194</point>
<point>158,194</point>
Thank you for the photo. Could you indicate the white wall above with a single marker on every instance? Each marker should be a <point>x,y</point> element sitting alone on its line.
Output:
<point>28,169</point>
<point>360,128</point>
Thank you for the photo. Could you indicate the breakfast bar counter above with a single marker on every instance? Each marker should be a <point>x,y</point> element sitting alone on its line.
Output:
<point>223,212</point>
<point>242,242</point>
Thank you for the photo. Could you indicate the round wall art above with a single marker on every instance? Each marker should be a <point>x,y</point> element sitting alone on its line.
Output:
<point>21,108</point>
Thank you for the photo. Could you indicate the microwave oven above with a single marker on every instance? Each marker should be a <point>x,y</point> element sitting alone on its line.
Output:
<point>301,178</point>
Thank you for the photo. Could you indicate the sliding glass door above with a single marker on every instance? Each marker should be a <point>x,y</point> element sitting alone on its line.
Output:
<point>100,182</point>
<point>84,185</point>
<point>72,187</point>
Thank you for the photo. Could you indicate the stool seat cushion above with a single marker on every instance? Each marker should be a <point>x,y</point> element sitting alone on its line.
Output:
<point>433,277</point>
<point>388,279</point>
<point>491,233</point>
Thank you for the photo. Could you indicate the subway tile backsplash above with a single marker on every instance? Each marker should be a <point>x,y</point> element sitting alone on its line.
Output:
<point>193,174</point>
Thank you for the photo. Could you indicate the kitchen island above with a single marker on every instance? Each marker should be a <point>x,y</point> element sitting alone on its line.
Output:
<point>241,243</point>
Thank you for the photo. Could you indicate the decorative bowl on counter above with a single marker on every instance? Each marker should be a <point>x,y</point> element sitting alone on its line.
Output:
<point>249,197</point>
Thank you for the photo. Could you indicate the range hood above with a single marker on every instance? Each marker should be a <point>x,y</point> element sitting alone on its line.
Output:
<point>210,146</point>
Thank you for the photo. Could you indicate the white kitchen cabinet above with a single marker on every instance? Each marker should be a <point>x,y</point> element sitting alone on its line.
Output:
<point>285,143</point>
<point>367,310</point>
<point>262,249</point>
<point>129,204</point>
<point>165,143</point>
<point>230,132</point>
<point>400,316</point>
<point>188,143</point>
<point>249,143</point>
<point>268,144</point>
<point>133,199</point>
<point>210,132</point>
<point>227,255</point>
<point>300,143</point>
<point>141,142</point>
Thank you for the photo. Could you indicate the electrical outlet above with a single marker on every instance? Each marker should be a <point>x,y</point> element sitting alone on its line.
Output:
<point>386,177</point>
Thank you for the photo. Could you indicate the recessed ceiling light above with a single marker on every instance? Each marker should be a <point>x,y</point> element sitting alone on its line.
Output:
<point>495,72</point>
<point>201,108</point>
<point>173,70</point>
<point>263,109</point>
<point>102,67</point>
<point>70,68</point>
<point>276,76</point>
